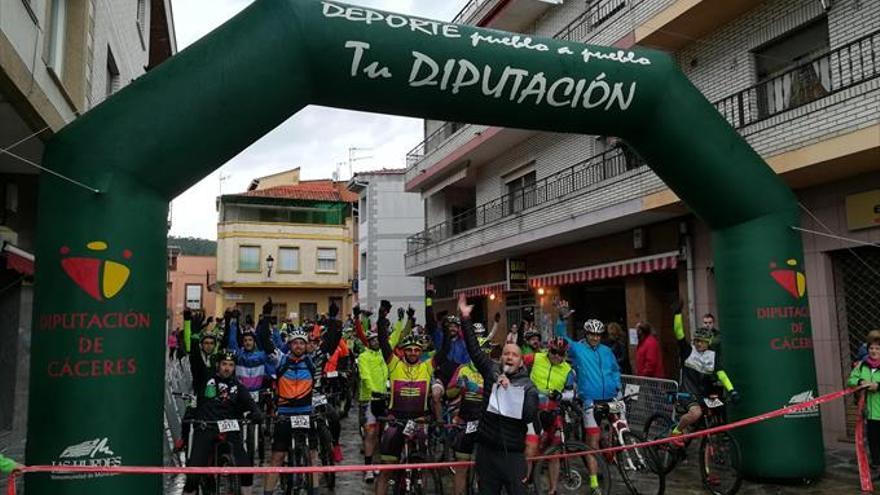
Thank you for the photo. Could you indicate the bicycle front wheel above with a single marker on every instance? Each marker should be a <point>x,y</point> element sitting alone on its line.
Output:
<point>639,467</point>
<point>660,426</point>
<point>228,484</point>
<point>326,450</point>
<point>421,482</point>
<point>574,472</point>
<point>720,464</point>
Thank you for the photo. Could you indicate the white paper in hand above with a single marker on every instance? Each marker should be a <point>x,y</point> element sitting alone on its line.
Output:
<point>507,402</point>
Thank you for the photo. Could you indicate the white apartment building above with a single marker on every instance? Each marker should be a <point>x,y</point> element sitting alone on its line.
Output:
<point>799,79</point>
<point>58,59</point>
<point>388,215</point>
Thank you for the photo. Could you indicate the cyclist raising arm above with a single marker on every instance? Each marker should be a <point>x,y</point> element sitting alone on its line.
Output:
<point>298,373</point>
<point>373,373</point>
<point>410,379</point>
<point>500,461</point>
<point>700,367</point>
<point>220,396</point>
<point>598,378</point>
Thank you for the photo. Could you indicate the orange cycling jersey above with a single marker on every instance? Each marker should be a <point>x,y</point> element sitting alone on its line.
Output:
<point>340,352</point>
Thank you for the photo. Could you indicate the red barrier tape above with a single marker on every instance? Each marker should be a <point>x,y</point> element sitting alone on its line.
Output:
<point>864,468</point>
<point>428,465</point>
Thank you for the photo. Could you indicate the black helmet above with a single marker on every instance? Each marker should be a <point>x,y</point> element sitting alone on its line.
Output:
<point>411,341</point>
<point>226,356</point>
<point>451,320</point>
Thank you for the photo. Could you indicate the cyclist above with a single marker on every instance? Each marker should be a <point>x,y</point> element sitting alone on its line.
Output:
<point>465,395</point>
<point>531,341</point>
<point>298,373</point>
<point>554,378</point>
<point>451,326</point>
<point>219,396</point>
<point>500,462</point>
<point>372,389</point>
<point>701,371</point>
<point>598,377</point>
<point>410,384</point>
<point>204,355</point>
<point>337,361</point>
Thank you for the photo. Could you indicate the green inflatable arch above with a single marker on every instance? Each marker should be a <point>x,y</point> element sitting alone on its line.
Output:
<point>97,350</point>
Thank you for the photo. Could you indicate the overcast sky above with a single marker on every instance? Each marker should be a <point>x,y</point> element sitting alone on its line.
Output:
<point>306,139</point>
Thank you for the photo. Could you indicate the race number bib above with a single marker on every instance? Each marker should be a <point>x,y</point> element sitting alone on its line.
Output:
<point>299,422</point>
<point>713,402</point>
<point>332,374</point>
<point>472,427</point>
<point>410,428</point>
<point>319,400</point>
<point>227,425</point>
<point>255,395</point>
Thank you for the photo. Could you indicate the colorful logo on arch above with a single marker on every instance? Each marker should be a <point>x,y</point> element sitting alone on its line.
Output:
<point>98,276</point>
<point>790,278</point>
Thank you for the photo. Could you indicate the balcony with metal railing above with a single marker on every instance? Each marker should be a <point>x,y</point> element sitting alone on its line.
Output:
<point>436,145</point>
<point>811,87</point>
<point>811,80</point>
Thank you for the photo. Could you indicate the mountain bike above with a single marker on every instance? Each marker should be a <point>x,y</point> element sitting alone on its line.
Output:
<point>720,456</point>
<point>413,481</point>
<point>325,438</point>
<point>223,456</point>
<point>298,455</point>
<point>574,471</point>
<point>639,467</point>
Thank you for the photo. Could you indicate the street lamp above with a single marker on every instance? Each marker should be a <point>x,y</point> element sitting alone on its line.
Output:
<point>270,262</point>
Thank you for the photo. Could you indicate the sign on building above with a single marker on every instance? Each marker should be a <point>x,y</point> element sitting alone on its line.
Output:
<point>517,275</point>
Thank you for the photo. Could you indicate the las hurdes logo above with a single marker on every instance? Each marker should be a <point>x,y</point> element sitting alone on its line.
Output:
<point>807,412</point>
<point>790,278</point>
<point>95,452</point>
<point>98,276</point>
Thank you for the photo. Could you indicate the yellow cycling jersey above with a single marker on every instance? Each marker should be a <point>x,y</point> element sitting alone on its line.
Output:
<point>410,387</point>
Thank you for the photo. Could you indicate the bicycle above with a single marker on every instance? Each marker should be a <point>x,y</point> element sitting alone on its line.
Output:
<point>639,467</point>
<point>261,434</point>
<point>720,456</point>
<point>338,391</point>
<point>412,481</point>
<point>223,456</point>
<point>325,438</point>
<point>574,471</point>
<point>298,455</point>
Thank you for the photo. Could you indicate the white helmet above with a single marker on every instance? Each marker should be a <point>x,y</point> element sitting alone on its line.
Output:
<point>594,326</point>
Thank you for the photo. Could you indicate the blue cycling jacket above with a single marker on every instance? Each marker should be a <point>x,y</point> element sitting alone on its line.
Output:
<point>598,375</point>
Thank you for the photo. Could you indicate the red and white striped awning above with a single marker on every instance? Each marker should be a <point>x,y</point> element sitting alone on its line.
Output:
<point>635,266</point>
<point>481,290</point>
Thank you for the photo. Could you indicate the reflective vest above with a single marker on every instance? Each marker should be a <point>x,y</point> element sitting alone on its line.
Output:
<point>373,374</point>
<point>549,377</point>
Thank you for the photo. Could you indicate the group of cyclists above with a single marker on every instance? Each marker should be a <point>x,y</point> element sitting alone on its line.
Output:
<point>405,375</point>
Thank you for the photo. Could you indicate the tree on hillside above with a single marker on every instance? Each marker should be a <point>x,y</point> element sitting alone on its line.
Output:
<point>193,246</point>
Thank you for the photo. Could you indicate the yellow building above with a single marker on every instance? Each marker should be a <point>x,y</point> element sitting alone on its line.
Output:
<point>290,240</point>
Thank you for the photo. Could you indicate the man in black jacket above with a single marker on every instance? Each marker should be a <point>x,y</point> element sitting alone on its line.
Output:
<point>500,461</point>
<point>219,396</point>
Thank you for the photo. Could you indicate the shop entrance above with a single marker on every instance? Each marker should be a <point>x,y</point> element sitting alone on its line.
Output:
<point>604,301</point>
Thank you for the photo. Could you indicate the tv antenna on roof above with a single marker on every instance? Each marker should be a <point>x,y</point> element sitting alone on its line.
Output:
<point>352,157</point>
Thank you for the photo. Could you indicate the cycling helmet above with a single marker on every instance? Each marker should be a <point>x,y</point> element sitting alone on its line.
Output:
<point>594,326</point>
<point>248,333</point>
<point>703,333</point>
<point>372,334</point>
<point>298,334</point>
<point>411,341</point>
<point>479,329</point>
<point>558,344</point>
<point>531,333</point>
<point>451,320</point>
<point>226,356</point>
<point>207,335</point>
